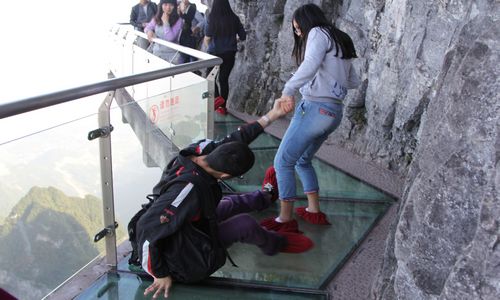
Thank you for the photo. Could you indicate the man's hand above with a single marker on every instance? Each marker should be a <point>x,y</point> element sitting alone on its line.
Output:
<point>280,108</point>
<point>158,285</point>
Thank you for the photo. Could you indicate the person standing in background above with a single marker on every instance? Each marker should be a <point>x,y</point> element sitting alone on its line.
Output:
<point>187,12</point>
<point>166,25</point>
<point>221,34</point>
<point>141,15</point>
<point>324,55</point>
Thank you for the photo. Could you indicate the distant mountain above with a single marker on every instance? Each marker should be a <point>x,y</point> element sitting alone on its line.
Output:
<point>46,238</point>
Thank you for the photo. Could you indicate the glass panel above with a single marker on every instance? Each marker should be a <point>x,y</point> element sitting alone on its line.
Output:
<point>134,171</point>
<point>350,222</point>
<point>51,204</point>
<point>129,286</point>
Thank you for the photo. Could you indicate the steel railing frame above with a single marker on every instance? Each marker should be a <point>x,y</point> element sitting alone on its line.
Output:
<point>111,85</point>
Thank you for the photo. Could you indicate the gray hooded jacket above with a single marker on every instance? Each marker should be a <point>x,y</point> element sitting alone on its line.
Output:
<point>322,76</point>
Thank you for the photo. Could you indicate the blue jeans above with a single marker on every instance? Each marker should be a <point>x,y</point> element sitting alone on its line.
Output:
<point>309,128</point>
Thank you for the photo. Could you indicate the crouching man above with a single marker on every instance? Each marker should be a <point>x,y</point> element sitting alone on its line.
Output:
<point>183,233</point>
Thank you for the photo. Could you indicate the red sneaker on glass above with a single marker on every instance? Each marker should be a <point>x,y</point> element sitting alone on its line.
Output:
<point>296,243</point>
<point>270,184</point>
<point>271,224</point>
<point>222,111</point>
<point>318,218</point>
<point>218,102</point>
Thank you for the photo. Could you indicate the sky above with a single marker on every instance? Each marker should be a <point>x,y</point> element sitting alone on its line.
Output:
<point>40,40</point>
<point>45,50</point>
<point>47,47</point>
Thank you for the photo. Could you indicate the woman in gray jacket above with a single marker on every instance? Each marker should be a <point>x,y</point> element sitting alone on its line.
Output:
<point>324,55</point>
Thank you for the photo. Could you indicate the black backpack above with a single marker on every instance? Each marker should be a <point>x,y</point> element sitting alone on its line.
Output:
<point>190,254</point>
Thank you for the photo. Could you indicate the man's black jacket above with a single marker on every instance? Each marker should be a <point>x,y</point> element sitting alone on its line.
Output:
<point>165,216</point>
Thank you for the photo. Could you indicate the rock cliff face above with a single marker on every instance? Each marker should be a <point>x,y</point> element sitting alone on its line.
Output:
<point>428,109</point>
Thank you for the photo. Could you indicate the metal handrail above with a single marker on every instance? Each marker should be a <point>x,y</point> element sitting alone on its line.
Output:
<point>34,103</point>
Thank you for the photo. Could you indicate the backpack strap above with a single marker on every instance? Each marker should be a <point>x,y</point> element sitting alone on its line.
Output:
<point>207,203</point>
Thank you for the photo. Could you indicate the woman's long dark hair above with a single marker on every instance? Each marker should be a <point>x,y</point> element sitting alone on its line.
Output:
<point>222,19</point>
<point>172,19</point>
<point>309,16</point>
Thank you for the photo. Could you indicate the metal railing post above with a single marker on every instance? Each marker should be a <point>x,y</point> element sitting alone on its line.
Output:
<point>104,121</point>
<point>210,101</point>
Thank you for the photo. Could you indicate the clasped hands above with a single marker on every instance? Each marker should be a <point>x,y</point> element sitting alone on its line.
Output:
<point>284,105</point>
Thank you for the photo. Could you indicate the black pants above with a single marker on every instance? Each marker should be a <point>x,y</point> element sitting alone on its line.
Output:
<point>188,41</point>
<point>223,77</point>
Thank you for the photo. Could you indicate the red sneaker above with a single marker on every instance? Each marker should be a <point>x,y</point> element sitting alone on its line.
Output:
<point>222,111</point>
<point>271,224</point>
<point>296,243</point>
<point>218,102</point>
<point>318,218</point>
<point>270,184</point>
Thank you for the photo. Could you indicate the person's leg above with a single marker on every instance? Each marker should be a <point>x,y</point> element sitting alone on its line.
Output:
<point>244,229</point>
<point>292,146</point>
<point>224,72</point>
<point>328,117</point>
<point>236,204</point>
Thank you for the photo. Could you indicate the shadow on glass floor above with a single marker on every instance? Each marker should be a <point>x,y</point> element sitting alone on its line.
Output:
<point>352,207</point>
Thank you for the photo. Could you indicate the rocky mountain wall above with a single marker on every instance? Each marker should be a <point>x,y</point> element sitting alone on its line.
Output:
<point>428,109</point>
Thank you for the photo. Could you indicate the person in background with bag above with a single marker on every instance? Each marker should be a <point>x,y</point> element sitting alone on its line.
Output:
<point>166,25</point>
<point>179,206</point>
<point>187,12</point>
<point>324,55</point>
<point>221,34</point>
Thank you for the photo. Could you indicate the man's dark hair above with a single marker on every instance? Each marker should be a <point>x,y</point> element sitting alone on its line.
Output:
<point>234,158</point>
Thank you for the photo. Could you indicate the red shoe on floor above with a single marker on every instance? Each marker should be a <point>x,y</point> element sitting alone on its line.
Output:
<point>270,184</point>
<point>218,102</point>
<point>318,218</point>
<point>271,224</point>
<point>296,243</point>
<point>222,111</point>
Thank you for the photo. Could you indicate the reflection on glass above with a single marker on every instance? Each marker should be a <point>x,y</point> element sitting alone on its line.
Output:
<point>115,286</point>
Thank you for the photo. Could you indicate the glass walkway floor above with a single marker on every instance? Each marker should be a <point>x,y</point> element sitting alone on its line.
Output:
<point>352,207</point>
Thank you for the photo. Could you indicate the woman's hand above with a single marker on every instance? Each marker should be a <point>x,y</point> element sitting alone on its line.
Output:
<point>151,36</point>
<point>288,103</point>
<point>158,285</point>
